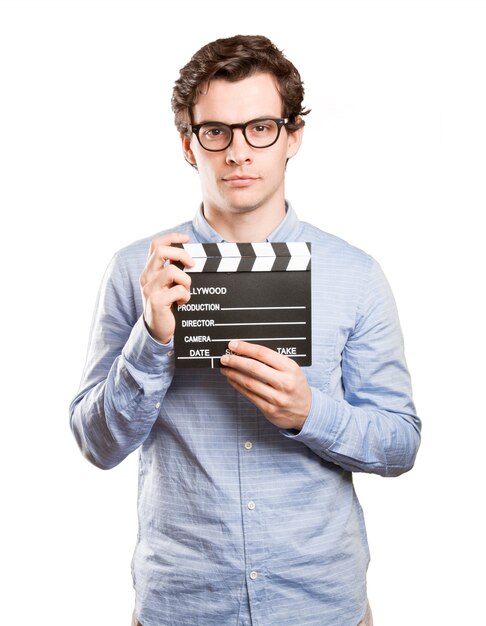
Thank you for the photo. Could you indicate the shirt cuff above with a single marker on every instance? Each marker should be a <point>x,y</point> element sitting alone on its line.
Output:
<point>146,354</point>
<point>318,432</point>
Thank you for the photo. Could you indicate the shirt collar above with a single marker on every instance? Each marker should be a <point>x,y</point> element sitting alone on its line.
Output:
<point>287,230</point>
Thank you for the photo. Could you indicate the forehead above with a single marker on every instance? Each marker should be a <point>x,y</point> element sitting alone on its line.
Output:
<point>240,101</point>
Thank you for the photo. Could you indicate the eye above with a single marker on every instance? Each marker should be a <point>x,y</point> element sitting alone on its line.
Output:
<point>261,127</point>
<point>214,132</point>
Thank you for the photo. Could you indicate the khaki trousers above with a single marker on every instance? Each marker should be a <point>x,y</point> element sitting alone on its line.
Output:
<point>367,621</point>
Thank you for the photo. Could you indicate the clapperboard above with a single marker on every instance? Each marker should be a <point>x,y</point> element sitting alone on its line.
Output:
<point>256,292</point>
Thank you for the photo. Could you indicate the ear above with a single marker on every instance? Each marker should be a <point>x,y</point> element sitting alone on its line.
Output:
<point>186,150</point>
<point>294,141</point>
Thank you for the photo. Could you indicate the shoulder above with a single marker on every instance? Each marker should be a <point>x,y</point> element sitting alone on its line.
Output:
<point>332,250</point>
<point>348,273</point>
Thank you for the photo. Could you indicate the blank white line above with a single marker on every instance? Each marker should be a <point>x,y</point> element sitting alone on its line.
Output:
<point>266,339</point>
<point>193,358</point>
<point>199,357</point>
<point>261,324</point>
<point>262,308</point>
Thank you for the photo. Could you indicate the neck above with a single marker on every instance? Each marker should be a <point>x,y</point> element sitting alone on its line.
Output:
<point>252,225</point>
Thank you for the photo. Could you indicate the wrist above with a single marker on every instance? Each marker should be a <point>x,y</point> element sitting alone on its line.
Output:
<point>162,339</point>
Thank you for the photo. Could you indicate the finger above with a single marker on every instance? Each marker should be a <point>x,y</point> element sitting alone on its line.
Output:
<point>167,240</point>
<point>162,249</point>
<point>160,254</point>
<point>262,354</point>
<point>250,368</point>
<point>263,405</point>
<point>253,386</point>
<point>261,362</point>
<point>161,298</point>
<point>156,268</point>
<point>164,279</point>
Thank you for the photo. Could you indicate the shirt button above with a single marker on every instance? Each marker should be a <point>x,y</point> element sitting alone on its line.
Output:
<point>248,445</point>
<point>253,575</point>
<point>157,406</point>
<point>251,505</point>
<point>170,353</point>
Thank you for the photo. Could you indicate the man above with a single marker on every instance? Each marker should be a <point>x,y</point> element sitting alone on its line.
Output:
<point>247,510</point>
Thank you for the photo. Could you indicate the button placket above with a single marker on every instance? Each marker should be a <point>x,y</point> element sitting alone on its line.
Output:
<point>250,477</point>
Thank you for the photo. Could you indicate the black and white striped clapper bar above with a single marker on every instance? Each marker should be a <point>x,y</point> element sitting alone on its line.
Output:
<point>256,292</point>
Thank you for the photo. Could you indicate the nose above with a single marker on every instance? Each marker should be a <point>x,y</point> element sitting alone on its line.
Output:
<point>239,151</point>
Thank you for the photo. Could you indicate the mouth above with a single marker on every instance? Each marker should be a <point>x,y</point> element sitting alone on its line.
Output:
<point>239,181</point>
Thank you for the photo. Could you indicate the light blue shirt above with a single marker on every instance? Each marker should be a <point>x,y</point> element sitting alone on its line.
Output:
<point>239,521</point>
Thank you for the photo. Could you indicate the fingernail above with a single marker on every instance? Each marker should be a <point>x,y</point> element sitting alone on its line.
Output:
<point>233,345</point>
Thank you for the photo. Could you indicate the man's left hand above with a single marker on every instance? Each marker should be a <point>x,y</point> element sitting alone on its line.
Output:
<point>274,383</point>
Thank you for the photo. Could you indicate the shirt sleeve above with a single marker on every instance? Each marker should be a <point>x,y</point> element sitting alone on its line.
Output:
<point>125,379</point>
<point>374,428</point>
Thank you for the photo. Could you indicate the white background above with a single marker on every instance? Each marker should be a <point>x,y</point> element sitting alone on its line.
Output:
<point>393,160</point>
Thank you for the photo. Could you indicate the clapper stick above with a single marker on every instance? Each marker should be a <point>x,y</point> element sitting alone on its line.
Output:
<point>257,292</point>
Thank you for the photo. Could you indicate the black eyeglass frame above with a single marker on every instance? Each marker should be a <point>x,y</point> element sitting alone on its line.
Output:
<point>280,121</point>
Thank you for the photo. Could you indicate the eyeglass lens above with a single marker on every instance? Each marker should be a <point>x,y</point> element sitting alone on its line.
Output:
<point>259,134</point>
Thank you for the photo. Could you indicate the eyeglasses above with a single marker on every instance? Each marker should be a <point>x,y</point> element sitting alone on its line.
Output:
<point>260,133</point>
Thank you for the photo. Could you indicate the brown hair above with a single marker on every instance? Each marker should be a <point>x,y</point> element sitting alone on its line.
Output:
<point>232,59</point>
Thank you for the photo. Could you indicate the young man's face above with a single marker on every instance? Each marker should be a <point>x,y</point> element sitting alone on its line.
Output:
<point>241,179</point>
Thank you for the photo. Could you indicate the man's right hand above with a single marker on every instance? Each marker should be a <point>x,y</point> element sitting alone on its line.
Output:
<point>163,284</point>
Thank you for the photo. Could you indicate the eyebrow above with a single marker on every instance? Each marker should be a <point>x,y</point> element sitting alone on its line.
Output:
<point>258,117</point>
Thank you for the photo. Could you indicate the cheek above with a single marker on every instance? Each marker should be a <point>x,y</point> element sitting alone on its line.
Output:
<point>275,164</point>
<point>210,163</point>
<point>209,178</point>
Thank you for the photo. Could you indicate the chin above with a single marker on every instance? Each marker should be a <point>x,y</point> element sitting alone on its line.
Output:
<point>244,205</point>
